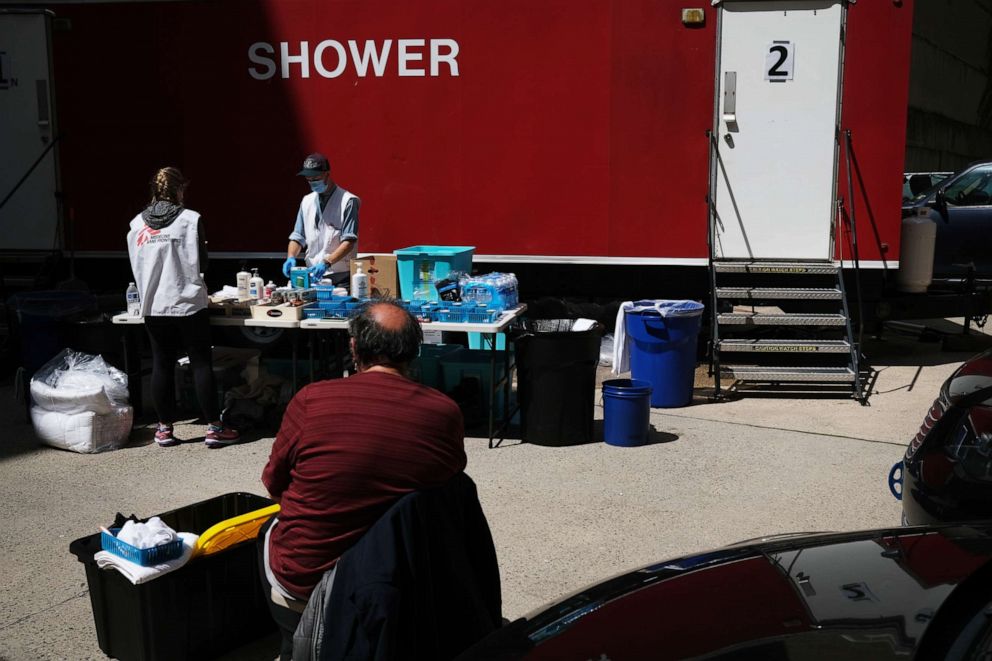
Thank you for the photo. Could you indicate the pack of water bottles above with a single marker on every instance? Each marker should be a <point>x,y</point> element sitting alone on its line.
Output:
<point>497,291</point>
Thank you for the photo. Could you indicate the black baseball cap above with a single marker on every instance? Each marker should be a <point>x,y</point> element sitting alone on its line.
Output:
<point>315,165</point>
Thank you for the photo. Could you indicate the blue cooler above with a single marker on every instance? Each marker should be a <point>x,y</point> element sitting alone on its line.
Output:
<point>662,345</point>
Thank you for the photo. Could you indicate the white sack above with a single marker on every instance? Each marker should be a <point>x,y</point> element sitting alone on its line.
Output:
<point>85,432</point>
<point>79,396</point>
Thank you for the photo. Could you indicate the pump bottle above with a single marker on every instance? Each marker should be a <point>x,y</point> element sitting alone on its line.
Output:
<point>359,283</point>
<point>256,286</point>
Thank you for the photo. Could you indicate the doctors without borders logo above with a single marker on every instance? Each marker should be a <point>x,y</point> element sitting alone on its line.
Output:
<point>146,233</point>
<point>331,58</point>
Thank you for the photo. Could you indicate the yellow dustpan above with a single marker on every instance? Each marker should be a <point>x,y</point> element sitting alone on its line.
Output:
<point>232,531</point>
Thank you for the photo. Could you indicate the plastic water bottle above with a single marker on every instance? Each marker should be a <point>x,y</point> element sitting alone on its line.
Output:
<point>133,299</point>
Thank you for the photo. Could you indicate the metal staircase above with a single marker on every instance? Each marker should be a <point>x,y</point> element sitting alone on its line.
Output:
<point>769,335</point>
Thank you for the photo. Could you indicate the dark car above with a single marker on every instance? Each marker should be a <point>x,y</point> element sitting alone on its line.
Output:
<point>904,593</point>
<point>961,205</point>
<point>947,469</point>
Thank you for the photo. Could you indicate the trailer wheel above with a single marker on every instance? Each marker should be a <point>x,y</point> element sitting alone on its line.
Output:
<point>261,336</point>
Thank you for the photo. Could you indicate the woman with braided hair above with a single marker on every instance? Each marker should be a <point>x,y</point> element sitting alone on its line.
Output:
<point>168,254</point>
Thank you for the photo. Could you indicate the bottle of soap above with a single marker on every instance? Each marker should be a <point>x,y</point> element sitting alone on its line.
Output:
<point>256,286</point>
<point>360,283</point>
<point>242,280</point>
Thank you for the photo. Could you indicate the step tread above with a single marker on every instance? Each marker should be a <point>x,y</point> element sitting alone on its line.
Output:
<point>780,319</point>
<point>795,267</point>
<point>788,374</point>
<point>785,346</point>
<point>830,293</point>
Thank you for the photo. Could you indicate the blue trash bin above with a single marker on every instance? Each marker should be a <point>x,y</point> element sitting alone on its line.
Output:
<point>662,347</point>
<point>38,316</point>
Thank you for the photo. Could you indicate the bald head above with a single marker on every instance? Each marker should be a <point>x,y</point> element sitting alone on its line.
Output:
<point>384,333</point>
<point>390,317</point>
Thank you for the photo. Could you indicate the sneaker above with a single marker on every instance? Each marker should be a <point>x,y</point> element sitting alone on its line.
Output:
<point>218,437</point>
<point>164,437</point>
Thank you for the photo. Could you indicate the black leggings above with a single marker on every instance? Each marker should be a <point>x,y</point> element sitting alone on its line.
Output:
<point>169,336</point>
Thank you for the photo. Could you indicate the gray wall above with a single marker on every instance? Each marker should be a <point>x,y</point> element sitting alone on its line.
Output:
<point>950,88</point>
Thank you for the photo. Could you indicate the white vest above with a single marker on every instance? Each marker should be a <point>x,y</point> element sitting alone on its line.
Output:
<point>166,266</point>
<point>324,237</point>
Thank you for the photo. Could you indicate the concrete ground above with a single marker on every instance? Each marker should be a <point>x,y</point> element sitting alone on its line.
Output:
<point>715,473</point>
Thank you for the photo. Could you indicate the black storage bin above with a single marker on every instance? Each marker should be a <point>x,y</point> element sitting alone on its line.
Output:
<point>38,316</point>
<point>556,381</point>
<point>208,607</point>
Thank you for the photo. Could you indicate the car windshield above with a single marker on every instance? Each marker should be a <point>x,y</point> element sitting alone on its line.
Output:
<point>972,188</point>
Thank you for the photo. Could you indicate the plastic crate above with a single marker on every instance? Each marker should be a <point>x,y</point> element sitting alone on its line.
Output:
<point>314,313</point>
<point>458,366</point>
<point>418,267</point>
<point>209,606</point>
<point>449,316</point>
<point>482,316</point>
<point>143,557</point>
<point>426,368</point>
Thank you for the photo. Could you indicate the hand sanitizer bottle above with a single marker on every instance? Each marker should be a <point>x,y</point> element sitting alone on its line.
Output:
<point>360,284</point>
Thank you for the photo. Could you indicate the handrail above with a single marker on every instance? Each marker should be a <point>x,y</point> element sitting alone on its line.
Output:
<point>31,169</point>
<point>857,264</point>
<point>711,242</point>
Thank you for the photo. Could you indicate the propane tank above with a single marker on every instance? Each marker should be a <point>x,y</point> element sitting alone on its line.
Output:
<point>919,235</point>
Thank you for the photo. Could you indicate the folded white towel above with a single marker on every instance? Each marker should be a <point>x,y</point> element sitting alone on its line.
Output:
<point>583,324</point>
<point>136,573</point>
<point>621,355</point>
<point>146,535</point>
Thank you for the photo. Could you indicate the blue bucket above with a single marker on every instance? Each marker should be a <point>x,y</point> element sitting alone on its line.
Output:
<point>663,352</point>
<point>626,412</point>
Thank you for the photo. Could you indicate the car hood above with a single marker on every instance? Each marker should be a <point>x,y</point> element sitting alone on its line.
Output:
<point>849,595</point>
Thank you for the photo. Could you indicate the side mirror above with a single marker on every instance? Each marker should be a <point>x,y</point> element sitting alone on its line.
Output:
<point>940,204</point>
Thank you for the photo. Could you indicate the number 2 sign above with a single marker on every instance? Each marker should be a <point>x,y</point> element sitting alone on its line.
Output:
<point>779,61</point>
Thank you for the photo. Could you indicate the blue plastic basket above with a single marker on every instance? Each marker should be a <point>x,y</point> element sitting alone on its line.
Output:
<point>314,313</point>
<point>143,557</point>
<point>482,316</point>
<point>455,315</point>
<point>325,292</point>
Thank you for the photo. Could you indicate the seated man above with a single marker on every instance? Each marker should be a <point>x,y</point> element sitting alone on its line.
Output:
<point>348,449</point>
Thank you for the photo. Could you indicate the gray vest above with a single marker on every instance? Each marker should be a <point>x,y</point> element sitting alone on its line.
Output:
<point>166,266</point>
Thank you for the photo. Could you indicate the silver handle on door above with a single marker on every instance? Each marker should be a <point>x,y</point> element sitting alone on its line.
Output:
<point>730,99</point>
<point>44,112</point>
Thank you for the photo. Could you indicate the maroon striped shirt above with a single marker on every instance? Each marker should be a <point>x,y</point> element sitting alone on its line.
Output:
<point>347,450</point>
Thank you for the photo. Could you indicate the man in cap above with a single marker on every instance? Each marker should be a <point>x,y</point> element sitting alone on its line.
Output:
<point>326,225</point>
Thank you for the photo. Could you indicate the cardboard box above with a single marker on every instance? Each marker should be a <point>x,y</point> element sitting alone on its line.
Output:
<point>280,312</point>
<point>381,270</point>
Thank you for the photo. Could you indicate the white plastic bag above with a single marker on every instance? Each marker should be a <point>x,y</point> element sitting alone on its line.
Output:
<point>85,432</point>
<point>71,371</point>
<point>80,403</point>
<point>606,350</point>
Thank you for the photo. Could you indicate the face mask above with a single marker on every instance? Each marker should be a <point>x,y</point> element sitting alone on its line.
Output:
<point>318,186</point>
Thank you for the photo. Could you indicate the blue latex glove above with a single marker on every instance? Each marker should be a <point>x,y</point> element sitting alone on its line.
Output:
<point>287,265</point>
<point>317,271</point>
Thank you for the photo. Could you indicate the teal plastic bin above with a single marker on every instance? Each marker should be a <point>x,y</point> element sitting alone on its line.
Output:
<point>426,368</point>
<point>458,366</point>
<point>418,267</point>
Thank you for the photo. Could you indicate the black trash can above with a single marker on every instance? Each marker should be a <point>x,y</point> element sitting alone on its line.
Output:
<point>556,381</point>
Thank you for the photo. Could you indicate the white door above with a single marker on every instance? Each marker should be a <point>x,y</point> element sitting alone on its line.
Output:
<point>777,103</point>
<point>28,221</point>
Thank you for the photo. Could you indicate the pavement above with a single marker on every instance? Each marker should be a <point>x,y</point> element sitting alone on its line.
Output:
<point>561,517</point>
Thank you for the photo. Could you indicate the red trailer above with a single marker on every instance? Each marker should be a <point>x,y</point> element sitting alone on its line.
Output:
<point>530,130</point>
<point>613,141</point>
